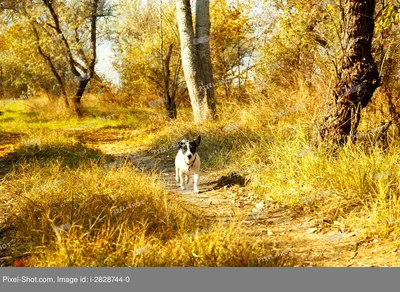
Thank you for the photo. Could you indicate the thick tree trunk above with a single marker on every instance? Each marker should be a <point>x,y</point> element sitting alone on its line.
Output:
<point>203,28</point>
<point>203,105</point>
<point>358,75</point>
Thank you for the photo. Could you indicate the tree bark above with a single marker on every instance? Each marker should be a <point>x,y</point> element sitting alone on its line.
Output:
<point>203,29</point>
<point>199,83</point>
<point>358,75</point>
<point>169,100</point>
<point>76,101</point>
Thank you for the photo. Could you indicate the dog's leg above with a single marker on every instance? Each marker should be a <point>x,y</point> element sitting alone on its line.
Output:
<point>182,180</point>
<point>176,174</point>
<point>196,183</point>
<point>187,179</point>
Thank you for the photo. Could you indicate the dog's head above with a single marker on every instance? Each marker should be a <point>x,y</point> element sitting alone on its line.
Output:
<point>189,149</point>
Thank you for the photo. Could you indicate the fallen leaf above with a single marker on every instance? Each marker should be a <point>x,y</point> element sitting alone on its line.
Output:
<point>20,263</point>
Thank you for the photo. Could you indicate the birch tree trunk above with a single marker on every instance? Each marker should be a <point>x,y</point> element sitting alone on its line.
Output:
<point>196,61</point>
<point>203,29</point>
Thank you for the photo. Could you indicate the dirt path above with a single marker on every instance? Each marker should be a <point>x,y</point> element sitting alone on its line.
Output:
<point>313,242</point>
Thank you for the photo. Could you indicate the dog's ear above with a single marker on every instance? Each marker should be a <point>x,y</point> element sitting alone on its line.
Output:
<point>198,140</point>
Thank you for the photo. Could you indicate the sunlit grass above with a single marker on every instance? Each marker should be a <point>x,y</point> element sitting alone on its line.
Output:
<point>92,216</point>
<point>66,209</point>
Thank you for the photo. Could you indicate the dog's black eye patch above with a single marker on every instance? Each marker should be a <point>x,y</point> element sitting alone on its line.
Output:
<point>193,147</point>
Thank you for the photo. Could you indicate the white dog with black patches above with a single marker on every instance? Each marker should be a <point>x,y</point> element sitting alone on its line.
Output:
<point>187,162</point>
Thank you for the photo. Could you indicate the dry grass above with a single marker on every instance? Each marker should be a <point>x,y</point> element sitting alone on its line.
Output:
<point>81,215</point>
<point>64,207</point>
